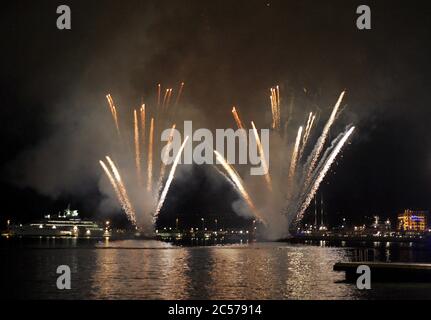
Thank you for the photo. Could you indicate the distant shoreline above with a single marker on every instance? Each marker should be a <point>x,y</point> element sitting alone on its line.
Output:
<point>358,239</point>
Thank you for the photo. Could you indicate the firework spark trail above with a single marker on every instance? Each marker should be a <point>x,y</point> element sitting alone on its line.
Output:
<point>310,127</point>
<point>313,119</point>
<point>180,92</point>
<point>110,102</point>
<point>307,132</point>
<point>150,157</point>
<point>164,158</point>
<point>116,121</point>
<point>230,181</point>
<point>294,160</point>
<point>168,99</point>
<point>325,156</point>
<point>310,116</point>
<point>322,173</point>
<point>299,197</point>
<point>122,188</point>
<point>114,185</point>
<point>113,112</point>
<point>274,99</point>
<point>238,183</point>
<point>143,125</point>
<point>137,147</point>
<point>278,108</point>
<point>170,178</point>
<point>262,157</point>
<point>278,99</point>
<point>227,179</point>
<point>314,157</point>
<point>119,182</point>
<point>275,107</point>
<point>164,99</point>
<point>271,97</point>
<point>159,93</point>
<point>237,118</point>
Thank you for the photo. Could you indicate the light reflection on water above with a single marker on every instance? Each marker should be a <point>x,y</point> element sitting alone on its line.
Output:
<point>269,271</point>
<point>154,270</point>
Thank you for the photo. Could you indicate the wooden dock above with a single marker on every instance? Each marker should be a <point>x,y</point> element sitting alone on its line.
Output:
<point>388,272</point>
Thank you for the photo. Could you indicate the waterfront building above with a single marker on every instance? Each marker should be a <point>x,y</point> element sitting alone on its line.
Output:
<point>413,221</point>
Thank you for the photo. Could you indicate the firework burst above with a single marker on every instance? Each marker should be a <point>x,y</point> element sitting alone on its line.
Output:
<point>298,186</point>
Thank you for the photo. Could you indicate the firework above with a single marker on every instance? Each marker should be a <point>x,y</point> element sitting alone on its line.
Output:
<point>309,128</point>
<point>137,147</point>
<point>322,173</point>
<point>150,157</point>
<point>277,91</point>
<point>275,107</point>
<point>310,116</point>
<point>322,139</point>
<point>301,184</point>
<point>238,183</point>
<point>306,136</point>
<point>165,97</point>
<point>168,99</point>
<point>237,118</point>
<point>226,178</point>
<point>278,98</point>
<point>122,189</point>
<point>159,92</point>
<point>170,178</point>
<point>143,124</point>
<point>262,157</point>
<point>294,160</point>
<point>114,185</point>
<point>113,112</point>
<point>164,157</point>
<point>272,110</point>
<point>110,103</point>
<point>180,92</point>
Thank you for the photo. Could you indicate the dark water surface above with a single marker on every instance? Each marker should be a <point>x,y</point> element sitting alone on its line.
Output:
<point>134,269</point>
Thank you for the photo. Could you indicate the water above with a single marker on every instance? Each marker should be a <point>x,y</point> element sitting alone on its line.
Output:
<point>155,270</point>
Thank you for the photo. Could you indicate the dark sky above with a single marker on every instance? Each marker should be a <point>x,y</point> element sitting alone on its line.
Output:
<point>227,52</point>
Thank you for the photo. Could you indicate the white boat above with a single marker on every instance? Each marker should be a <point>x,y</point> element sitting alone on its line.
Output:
<point>66,224</point>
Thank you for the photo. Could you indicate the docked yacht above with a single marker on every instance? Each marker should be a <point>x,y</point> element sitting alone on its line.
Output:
<point>65,224</point>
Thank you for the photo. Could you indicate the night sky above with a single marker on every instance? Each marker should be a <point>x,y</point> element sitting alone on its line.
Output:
<point>228,53</point>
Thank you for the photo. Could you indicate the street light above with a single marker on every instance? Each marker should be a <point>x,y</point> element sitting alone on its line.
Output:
<point>203,223</point>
